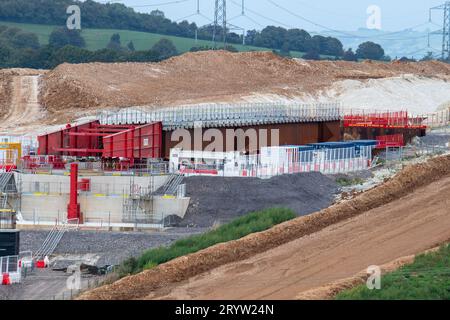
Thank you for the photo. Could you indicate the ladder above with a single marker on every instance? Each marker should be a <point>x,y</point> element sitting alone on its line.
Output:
<point>171,186</point>
<point>53,239</point>
<point>5,178</point>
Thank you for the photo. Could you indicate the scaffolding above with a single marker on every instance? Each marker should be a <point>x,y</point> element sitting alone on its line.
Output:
<point>138,204</point>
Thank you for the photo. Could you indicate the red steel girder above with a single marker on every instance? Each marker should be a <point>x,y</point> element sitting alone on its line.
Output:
<point>78,150</point>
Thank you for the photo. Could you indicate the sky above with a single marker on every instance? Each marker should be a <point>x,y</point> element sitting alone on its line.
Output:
<point>343,15</point>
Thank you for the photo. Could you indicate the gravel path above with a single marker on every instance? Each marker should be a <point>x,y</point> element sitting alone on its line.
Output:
<point>219,200</point>
<point>105,248</point>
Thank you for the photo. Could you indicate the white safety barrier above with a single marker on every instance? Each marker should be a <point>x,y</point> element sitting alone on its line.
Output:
<point>271,162</point>
<point>10,270</point>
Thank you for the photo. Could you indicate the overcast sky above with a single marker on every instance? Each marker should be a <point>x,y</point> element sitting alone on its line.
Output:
<point>346,15</point>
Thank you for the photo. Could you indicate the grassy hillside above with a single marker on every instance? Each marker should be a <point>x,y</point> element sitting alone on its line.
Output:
<point>427,278</point>
<point>99,38</point>
<point>238,228</point>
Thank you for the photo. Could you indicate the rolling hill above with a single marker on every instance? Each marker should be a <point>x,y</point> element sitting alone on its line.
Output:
<point>98,38</point>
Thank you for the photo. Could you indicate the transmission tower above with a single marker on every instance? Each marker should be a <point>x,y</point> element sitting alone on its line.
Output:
<point>220,21</point>
<point>445,29</point>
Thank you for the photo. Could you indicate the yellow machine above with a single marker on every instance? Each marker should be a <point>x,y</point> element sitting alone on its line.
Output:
<point>11,153</point>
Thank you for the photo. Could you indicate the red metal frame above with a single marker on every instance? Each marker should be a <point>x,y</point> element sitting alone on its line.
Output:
<point>395,140</point>
<point>389,120</point>
<point>107,141</point>
<point>141,142</point>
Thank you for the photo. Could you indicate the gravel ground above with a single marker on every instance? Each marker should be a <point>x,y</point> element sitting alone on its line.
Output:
<point>219,200</point>
<point>435,138</point>
<point>104,248</point>
<point>90,247</point>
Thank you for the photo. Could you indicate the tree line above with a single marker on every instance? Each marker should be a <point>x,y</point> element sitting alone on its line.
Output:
<point>119,16</point>
<point>19,48</point>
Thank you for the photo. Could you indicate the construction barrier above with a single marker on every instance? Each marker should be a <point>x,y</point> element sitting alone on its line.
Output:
<point>10,270</point>
<point>5,279</point>
<point>395,140</point>
<point>272,161</point>
<point>400,119</point>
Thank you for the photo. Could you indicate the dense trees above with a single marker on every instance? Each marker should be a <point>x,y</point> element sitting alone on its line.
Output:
<point>349,55</point>
<point>294,40</point>
<point>370,50</point>
<point>22,49</point>
<point>114,42</point>
<point>164,48</point>
<point>61,37</point>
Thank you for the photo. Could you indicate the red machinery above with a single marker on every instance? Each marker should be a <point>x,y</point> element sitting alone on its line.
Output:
<point>107,141</point>
<point>389,120</point>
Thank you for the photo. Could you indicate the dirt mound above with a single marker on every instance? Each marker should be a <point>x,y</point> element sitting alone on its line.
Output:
<point>219,200</point>
<point>205,77</point>
<point>141,285</point>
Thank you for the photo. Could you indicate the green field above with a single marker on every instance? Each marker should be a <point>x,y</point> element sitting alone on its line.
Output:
<point>238,228</point>
<point>428,278</point>
<point>98,38</point>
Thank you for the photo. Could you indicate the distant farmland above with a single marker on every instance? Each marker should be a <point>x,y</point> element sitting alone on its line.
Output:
<point>98,38</point>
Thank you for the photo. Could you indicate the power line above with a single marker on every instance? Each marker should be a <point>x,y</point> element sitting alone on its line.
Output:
<point>261,15</point>
<point>307,20</point>
<point>160,4</point>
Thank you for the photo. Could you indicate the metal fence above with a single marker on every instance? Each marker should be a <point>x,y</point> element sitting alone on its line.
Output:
<point>96,167</point>
<point>278,161</point>
<point>60,188</point>
<point>9,264</point>
<point>324,166</point>
<point>220,115</point>
<point>395,155</point>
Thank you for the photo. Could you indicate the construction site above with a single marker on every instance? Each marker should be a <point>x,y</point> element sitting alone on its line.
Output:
<point>100,162</point>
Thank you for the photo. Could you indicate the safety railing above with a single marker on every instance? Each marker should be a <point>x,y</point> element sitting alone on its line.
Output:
<point>224,114</point>
<point>45,165</point>
<point>60,188</point>
<point>395,140</point>
<point>9,264</point>
<point>43,188</point>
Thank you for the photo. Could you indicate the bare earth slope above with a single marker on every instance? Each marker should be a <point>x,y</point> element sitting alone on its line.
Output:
<point>406,226</point>
<point>208,76</point>
<point>405,215</point>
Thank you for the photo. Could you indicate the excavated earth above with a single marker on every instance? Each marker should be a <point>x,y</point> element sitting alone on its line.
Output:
<point>72,91</point>
<point>207,77</point>
<point>405,215</point>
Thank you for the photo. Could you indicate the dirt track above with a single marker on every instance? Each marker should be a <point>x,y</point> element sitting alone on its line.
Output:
<point>407,226</point>
<point>405,215</point>
<point>20,106</point>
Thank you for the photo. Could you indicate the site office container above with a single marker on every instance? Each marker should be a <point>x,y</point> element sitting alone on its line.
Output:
<point>364,148</point>
<point>142,142</point>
